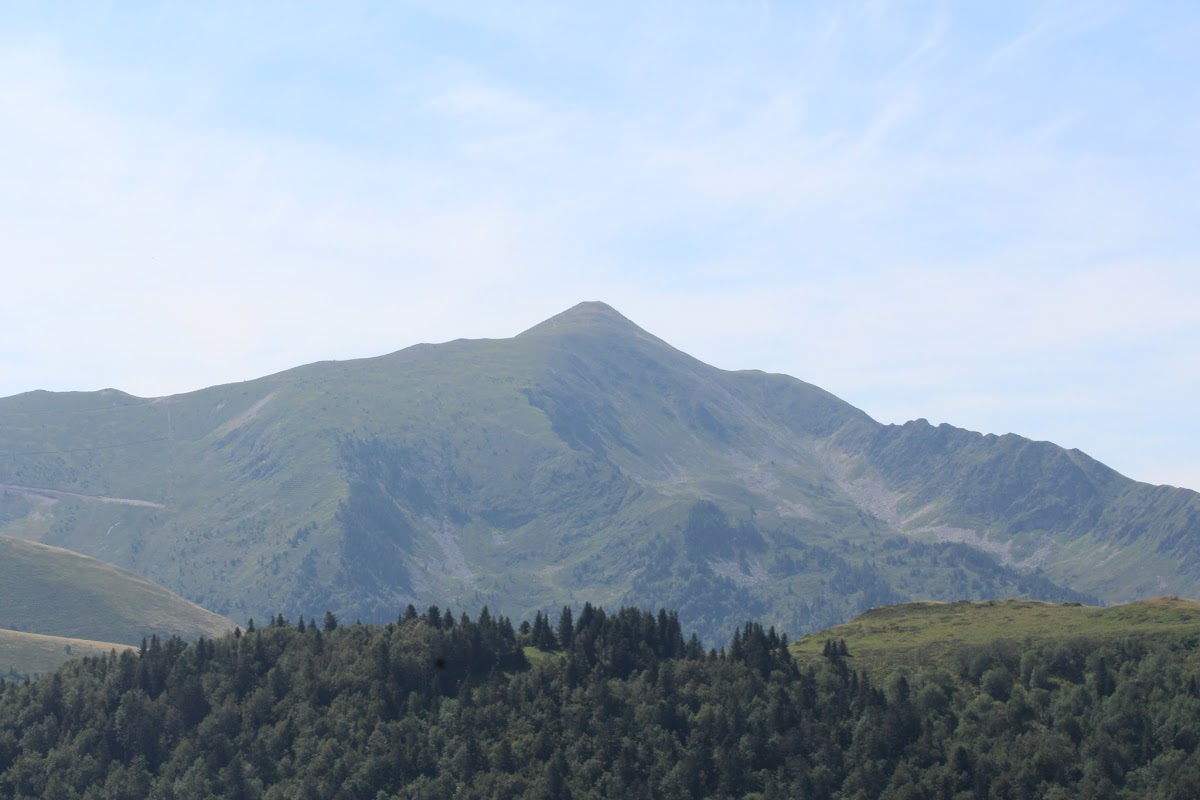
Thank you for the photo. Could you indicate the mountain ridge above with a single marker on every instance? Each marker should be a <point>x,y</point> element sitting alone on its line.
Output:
<point>582,457</point>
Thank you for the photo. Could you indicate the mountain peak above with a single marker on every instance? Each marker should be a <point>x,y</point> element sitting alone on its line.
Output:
<point>590,315</point>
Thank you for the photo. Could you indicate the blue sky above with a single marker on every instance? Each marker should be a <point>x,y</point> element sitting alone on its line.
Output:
<point>977,213</point>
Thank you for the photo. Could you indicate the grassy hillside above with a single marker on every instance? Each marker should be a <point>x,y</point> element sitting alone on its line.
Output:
<point>583,458</point>
<point>916,634</point>
<point>1034,505</point>
<point>55,592</point>
<point>25,654</point>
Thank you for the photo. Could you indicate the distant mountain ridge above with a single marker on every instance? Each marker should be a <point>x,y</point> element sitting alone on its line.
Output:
<point>583,458</point>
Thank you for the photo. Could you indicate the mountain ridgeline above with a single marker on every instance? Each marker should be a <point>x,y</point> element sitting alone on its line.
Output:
<point>584,458</point>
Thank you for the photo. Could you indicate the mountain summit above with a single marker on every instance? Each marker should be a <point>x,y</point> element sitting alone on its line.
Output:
<point>592,315</point>
<point>582,459</point>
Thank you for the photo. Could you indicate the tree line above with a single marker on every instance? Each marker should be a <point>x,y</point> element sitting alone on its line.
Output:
<point>596,705</point>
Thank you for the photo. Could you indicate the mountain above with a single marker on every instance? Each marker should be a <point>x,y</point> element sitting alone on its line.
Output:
<point>57,593</point>
<point>583,458</point>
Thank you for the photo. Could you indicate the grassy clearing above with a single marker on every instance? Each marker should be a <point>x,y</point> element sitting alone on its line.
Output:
<point>535,656</point>
<point>31,654</point>
<point>916,634</point>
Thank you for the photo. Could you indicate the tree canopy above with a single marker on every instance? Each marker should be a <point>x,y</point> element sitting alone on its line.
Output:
<point>602,705</point>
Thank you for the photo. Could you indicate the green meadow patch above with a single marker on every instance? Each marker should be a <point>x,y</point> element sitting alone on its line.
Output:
<point>917,634</point>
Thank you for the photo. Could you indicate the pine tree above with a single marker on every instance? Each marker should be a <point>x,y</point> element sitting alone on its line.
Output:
<point>566,628</point>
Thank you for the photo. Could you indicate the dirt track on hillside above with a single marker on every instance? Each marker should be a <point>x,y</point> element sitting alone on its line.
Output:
<point>35,492</point>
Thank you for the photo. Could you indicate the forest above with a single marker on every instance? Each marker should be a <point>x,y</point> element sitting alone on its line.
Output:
<point>597,705</point>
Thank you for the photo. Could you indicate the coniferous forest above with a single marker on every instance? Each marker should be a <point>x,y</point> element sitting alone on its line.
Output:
<point>597,705</point>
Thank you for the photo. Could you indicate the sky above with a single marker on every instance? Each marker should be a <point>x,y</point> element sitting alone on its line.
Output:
<point>984,214</point>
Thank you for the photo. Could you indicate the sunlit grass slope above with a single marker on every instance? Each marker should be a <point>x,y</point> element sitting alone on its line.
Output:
<point>56,592</point>
<point>915,634</point>
<point>26,654</point>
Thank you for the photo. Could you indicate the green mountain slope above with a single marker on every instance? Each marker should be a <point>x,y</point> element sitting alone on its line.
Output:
<point>25,654</point>
<point>1034,505</point>
<point>582,458</point>
<point>917,634</point>
<point>55,592</point>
